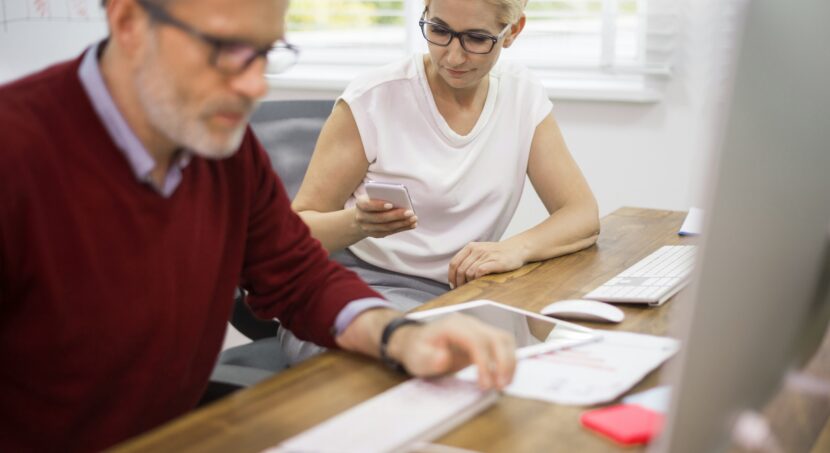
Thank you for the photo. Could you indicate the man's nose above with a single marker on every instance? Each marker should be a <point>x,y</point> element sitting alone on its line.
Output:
<point>251,81</point>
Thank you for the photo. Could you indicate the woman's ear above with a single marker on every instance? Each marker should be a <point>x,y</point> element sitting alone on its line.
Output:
<point>514,31</point>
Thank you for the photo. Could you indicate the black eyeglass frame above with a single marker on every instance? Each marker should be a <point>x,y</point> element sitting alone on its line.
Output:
<point>159,14</point>
<point>460,34</point>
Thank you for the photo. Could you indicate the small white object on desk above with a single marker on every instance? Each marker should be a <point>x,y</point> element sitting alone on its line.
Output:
<point>693,225</point>
<point>584,310</point>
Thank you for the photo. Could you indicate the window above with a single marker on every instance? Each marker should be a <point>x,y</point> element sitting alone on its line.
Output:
<point>595,49</point>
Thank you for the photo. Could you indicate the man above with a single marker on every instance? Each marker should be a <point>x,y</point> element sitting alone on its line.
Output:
<point>133,199</point>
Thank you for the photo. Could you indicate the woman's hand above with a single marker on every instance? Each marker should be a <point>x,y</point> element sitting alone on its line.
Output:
<point>378,218</point>
<point>477,259</point>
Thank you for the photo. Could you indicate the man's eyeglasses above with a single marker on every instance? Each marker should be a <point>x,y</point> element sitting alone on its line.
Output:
<point>230,56</point>
<point>471,41</point>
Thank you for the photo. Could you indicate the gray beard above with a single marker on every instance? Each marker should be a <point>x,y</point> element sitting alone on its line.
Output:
<point>172,117</point>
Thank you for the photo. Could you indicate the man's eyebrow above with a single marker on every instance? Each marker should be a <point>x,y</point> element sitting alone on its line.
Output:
<point>438,21</point>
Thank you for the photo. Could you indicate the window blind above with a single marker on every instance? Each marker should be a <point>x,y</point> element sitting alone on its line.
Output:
<point>611,36</point>
<point>564,40</point>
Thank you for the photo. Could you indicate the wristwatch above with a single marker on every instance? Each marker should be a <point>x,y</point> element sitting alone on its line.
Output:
<point>384,343</point>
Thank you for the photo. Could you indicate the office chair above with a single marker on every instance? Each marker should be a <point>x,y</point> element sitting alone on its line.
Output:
<point>288,131</point>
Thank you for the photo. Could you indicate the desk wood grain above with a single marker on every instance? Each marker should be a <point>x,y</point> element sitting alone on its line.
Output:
<point>289,403</point>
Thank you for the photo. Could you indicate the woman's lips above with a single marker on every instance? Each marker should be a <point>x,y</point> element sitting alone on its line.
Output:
<point>455,73</point>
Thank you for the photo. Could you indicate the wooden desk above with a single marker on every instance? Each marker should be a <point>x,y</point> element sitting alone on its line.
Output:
<point>289,403</point>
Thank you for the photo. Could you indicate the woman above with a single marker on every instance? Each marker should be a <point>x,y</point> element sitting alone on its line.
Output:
<point>461,134</point>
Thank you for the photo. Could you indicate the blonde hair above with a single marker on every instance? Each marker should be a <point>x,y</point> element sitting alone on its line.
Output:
<point>509,11</point>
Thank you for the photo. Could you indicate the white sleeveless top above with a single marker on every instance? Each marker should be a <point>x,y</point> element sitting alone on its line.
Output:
<point>464,188</point>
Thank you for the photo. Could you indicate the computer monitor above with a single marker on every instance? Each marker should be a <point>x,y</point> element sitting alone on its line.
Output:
<point>759,301</point>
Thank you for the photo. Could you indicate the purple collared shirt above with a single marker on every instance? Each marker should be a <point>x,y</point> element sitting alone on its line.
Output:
<point>142,163</point>
<point>140,160</point>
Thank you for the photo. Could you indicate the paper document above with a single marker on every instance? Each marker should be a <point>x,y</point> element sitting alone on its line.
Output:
<point>693,224</point>
<point>589,374</point>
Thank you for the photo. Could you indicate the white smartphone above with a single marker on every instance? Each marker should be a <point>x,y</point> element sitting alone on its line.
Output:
<point>391,192</point>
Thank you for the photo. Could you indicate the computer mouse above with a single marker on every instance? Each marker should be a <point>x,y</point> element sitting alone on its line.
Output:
<point>584,310</point>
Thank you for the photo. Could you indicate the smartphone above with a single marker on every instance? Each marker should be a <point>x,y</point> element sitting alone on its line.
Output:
<point>391,192</point>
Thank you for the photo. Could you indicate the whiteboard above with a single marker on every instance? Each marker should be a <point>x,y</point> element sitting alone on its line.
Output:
<point>37,33</point>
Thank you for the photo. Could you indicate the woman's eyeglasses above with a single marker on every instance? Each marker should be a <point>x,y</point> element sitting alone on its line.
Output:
<point>471,41</point>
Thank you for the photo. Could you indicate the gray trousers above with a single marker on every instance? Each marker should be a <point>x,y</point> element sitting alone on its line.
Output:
<point>404,292</point>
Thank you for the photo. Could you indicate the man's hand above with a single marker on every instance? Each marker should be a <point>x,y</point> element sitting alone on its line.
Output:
<point>450,343</point>
<point>437,347</point>
<point>478,259</point>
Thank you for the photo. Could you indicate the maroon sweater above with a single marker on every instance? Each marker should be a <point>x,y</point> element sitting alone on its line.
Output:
<point>113,299</point>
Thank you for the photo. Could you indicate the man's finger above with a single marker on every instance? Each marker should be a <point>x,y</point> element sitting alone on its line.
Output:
<point>504,353</point>
<point>477,349</point>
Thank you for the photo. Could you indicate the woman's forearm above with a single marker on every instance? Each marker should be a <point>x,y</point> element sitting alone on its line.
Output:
<point>567,230</point>
<point>335,230</point>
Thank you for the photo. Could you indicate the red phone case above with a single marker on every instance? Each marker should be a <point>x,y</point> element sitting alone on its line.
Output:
<point>628,424</point>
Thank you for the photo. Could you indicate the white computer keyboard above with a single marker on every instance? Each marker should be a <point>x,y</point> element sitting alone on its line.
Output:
<point>652,280</point>
<point>413,412</point>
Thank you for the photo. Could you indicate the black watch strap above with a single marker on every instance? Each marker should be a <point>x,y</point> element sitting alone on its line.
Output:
<point>390,328</point>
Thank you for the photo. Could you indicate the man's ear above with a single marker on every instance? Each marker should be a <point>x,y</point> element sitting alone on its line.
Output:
<point>128,25</point>
<point>514,31</point>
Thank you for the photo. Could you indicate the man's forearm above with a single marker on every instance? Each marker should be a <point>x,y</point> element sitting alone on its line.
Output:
<point>363,334</point>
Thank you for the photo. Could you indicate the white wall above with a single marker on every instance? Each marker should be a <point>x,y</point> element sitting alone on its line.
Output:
<point>38,33</point>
